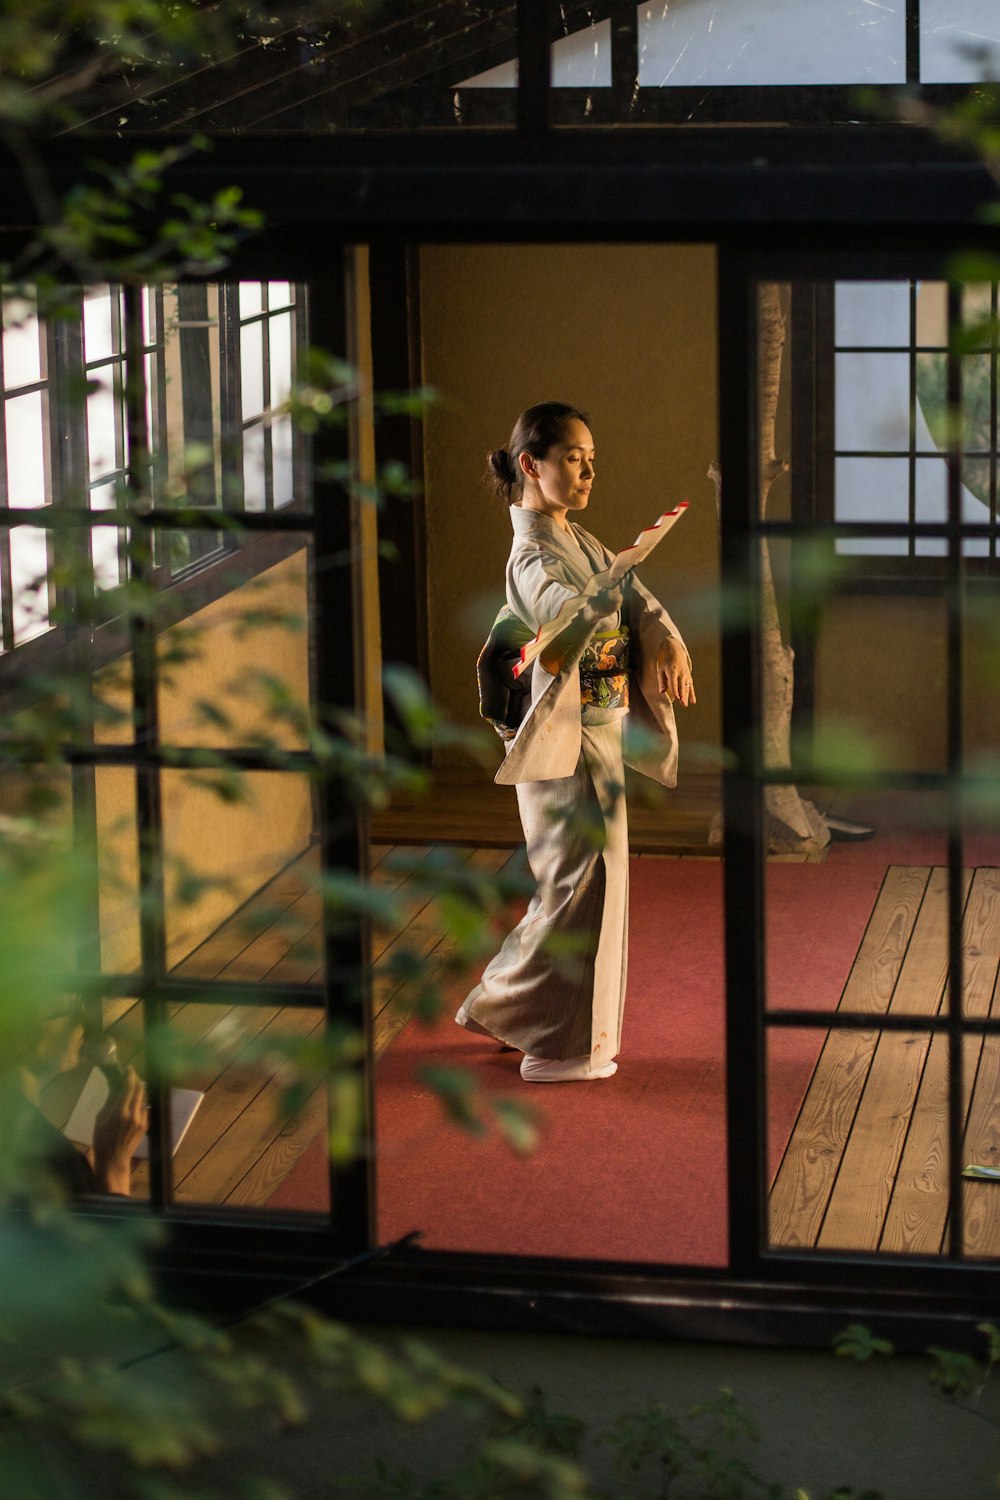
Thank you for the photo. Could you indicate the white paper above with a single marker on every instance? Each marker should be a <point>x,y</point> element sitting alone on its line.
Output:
<point>80,1125</point>
<point>622,563</point>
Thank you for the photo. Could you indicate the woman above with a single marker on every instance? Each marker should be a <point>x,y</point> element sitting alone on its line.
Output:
<point>556,989</point>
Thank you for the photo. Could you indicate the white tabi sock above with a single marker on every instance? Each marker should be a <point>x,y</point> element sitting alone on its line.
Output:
<point>566,1070</point>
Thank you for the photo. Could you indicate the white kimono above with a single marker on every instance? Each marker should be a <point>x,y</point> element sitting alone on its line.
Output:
<point>556,989</point>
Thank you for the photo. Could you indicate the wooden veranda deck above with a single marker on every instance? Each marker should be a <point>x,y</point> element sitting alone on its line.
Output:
<point>238,1148</point>
<point>866,1167</point>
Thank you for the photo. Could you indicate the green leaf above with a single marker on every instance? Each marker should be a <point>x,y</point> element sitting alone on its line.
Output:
<point>859,1343</point>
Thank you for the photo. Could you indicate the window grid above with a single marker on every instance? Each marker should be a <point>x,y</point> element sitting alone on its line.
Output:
<point>926,365</point>
<point>25,552</point>
<point>278,300</point>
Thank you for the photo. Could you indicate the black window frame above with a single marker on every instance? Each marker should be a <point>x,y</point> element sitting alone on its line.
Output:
<point>828,186</point>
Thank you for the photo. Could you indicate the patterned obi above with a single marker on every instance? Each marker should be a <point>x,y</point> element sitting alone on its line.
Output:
<point>504,698</point>
<point>604,671</point>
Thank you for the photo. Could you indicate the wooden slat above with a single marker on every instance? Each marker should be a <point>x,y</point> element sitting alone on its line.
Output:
<point>467,807</point>
<point>392,1003</point>
<point>242,1106</point>
<point>982,1146</point>
<point>861,1194</point>
<point>267,910</point>
<point>808,1171</point>
<point>917,1214</point>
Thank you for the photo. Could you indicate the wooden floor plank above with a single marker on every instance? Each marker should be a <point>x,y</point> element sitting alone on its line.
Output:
<point>245,1106</point>
<point>805,1179</point>
<point>264,910</point>
<point>917,1216</point>
<point>469,808</point>
<point>982,1146</point>
<point>860,1198</point>
<point>393,1004</point>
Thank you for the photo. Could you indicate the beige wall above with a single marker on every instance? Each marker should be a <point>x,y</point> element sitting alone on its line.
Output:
<point>235,845</point>
<point>629,334</point>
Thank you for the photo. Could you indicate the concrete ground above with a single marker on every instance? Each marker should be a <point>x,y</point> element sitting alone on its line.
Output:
<point>825,1423</point>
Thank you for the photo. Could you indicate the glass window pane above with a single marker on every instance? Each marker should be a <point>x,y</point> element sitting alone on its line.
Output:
<point>580,60</point>
<point>98,338</point>
<point>91,1064</point>
<point>102,447</point>
<point>226,836</point>
<point>699,42</point>
<point>24,416</point>
<point>149,320</point>
<point>279,332</point>
<point>243,1148</point>
<point>282,465</point>
<point>104,540</point>
<point>279,294</point>
<point>22,352</point>
<point>252,369</point>
<point>872,313</point>
<point>872,489</point>
<point>254,469</point>
<point>959,40</point>
<point>873,402</point>
<point>29,570</point>
<point>235,652</point>
<point>251,298</point>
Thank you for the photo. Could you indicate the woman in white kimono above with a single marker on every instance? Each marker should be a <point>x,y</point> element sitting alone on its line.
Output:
<point>556,989</point>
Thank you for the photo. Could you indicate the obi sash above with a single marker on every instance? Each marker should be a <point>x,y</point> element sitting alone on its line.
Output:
<point>504,699</point>
<point>604,670</point>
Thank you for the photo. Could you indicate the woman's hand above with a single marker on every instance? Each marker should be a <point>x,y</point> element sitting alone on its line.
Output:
<point>118,1129</point>
<point>673,673</point>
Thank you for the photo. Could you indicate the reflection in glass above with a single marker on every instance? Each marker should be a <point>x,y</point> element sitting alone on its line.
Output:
<point>226,836</point>
<point>959,41</point>
<point>699,42</point>
<point>243,1146</point>
<point>95,1066</point>
<point>580,60</point>
<point>236,671</point>
<point>117,837</point>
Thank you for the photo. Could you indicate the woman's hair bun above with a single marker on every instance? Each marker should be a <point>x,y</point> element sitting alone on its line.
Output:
<point>502,472</point>
<point>500,462</point>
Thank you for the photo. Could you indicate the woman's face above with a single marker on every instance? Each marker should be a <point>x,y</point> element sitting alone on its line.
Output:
<point>562,480</point>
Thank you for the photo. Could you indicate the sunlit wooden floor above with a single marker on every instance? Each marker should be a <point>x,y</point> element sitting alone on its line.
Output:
<point>866,1166</point>
<point>238,1148</point>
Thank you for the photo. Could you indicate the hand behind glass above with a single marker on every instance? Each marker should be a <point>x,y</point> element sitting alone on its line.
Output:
<point>120,1126</point>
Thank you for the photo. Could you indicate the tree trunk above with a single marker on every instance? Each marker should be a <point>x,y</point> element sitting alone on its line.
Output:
<point>793,824</point>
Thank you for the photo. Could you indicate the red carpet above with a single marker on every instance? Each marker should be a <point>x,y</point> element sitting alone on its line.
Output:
<point>633,1168</point>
